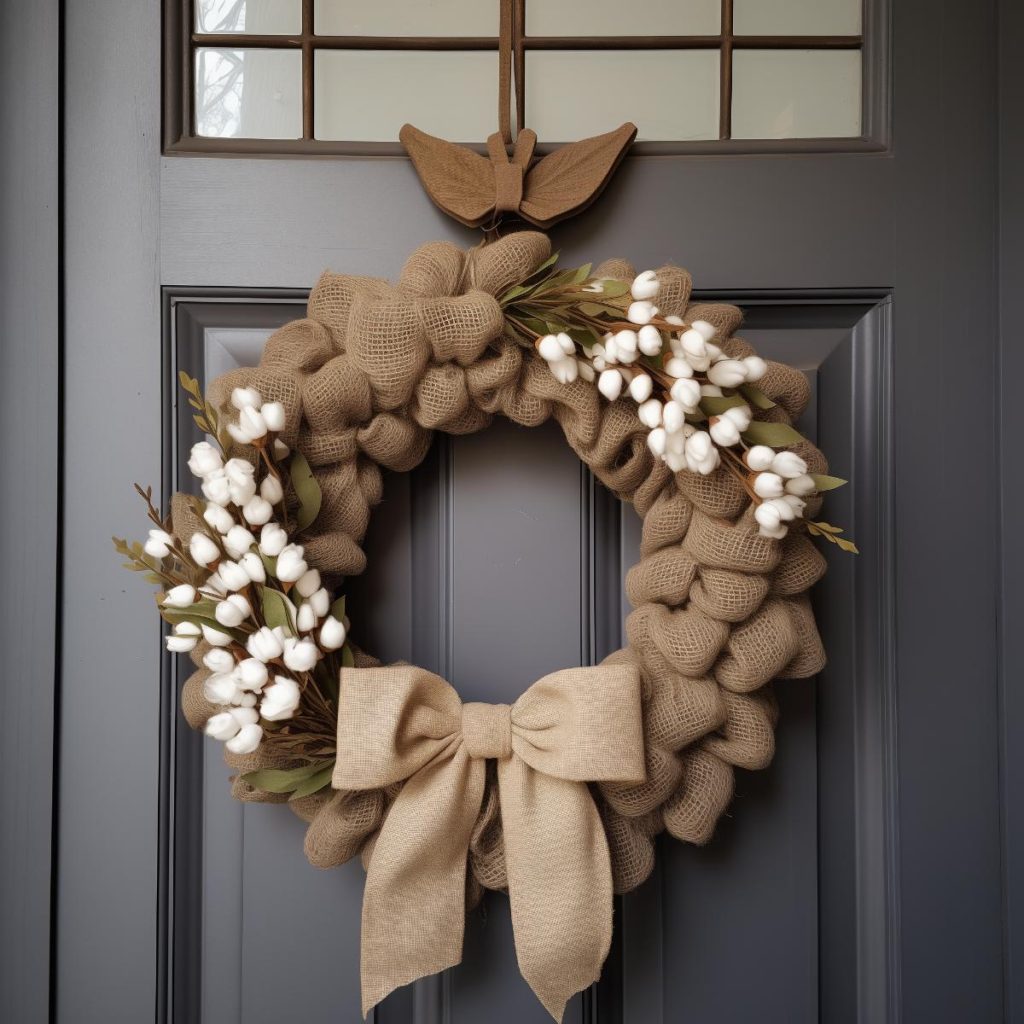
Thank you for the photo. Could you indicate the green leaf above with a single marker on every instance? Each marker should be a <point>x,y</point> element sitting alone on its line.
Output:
<point>283,780</point>
<point>715,406</point>
<point>612,289</point>
<point>189,384</point>
<point>307,490</point>
<point>595,308</point>
<point>514,293</point>
<point>347,660</point>
<point>774,435</point>
<point>824,482</point>
<point>338,609</point>
<point>547,264</point>
<point>202,424</point>
<point>755,396</point>
<point>582,273</point>
<point>847,545</point>
<point>826,527</point>
<point>314,783</point>
<point>277,610</point>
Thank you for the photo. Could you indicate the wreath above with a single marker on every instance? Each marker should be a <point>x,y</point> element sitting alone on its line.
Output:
<point>559,797</point>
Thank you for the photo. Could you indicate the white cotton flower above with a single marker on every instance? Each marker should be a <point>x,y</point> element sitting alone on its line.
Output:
<point>649,340</point>
<point>271,490</point>
<point>650,413</point>
<point>740,415</point>
<point>216,584</point>
<point>565,370</point>
<point>280,699</point>
<point>676,461</point>
<point>220,688</point>
<point>217,488</point>
<point>759,458</point>
<point>645,285</point>
<point>222,726</point>
<point>673,416</point>
<point>611,349</point>
<point>699,365</point>
<point>257,511</point>
<point>789,465</point>
<point>586,371</point>
<point>246,398</point>
<point>233,575</point>
<point>687,393</point>
<point>308,583</point>
<point>238,540</point>
<point>568,345</point>
<point>251,674</point>
<point>707,331</point>
<point>232,611</point>
<point>204,459</point>
<point>306,618</point>
<point>627,343</point>
<point>273,416</point>
<point>693,343</point>
<point>332,634</point>
<point>657,441</point>
<point>755,366</point>
<point>701,454</point>
<point>675,320</point>
<point>251,421</point>
<point>240,434</point>
<point>801,485</point>
<point>218,517</point>
<point>796,504</point>
<point>710,391</point>
<point>247,740</point>
<point>729,373</point>
<point>767,516</point>
<point>768,485</point>
<point>723,431</point>
<point>714,353</point>
<point>244,699</point>
<point>266,644</point>
<point>599,363</point>
<point>320,602</point>
<point>180,644</point>
<point>786,511</point>
<point>678,367</point>
<point>180,596</point>
<point>300,655</point>
<point>640,387</point>
<point>272,540</point>
<point>610,384</point>
<point>281,450</point>
<point>253,566</point>
<point>241,482</point>
<point>158,544</point>
<point>202,549</point>
<point>218,660</point>
<point>676,441</point>
<point>550,348</point>
<point>217,638</point>
<point>641,312</point>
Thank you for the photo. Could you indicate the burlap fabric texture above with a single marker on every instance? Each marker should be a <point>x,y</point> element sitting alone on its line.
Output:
<point>720,611</point>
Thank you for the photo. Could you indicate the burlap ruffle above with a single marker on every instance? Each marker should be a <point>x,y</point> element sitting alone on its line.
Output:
<point>719,610</point>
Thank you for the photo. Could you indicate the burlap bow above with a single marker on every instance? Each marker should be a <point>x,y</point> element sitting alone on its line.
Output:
<point>403,724</point>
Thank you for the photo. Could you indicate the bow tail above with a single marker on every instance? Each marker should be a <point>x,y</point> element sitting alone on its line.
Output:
<point>559,881</point>
<point>414,901</point>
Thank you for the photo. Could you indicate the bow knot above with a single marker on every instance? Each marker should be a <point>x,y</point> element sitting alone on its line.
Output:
<point>487,730</point>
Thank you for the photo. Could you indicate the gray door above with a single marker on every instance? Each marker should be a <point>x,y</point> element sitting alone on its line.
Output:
<point>860,878</point>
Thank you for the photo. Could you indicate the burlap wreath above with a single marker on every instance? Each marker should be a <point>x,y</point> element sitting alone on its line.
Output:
<point>720,611</point>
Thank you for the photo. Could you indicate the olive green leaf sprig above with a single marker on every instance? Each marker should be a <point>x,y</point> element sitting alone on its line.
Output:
<point>697,403</point>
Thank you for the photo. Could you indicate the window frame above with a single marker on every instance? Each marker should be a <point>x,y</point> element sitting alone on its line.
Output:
<point>180,42</point>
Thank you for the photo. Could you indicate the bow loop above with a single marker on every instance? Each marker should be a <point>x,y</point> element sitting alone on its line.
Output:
<point>487,730</point>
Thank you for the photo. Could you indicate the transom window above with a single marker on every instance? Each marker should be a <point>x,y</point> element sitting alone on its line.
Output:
<point>338,75</point>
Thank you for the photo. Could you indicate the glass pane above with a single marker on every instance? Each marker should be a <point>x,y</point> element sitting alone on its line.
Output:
<point>257,17</point>
<point>795,94</point>
<point>668,94</point>
<point>248,94</point>
<point>613,18</point>
<point>405,17</point>
<point>367,95</point>
<point>796,17</point>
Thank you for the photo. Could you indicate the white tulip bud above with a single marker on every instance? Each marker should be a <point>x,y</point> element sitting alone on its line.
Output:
<point>247,740</point>
<point>550,348</point>
<point>290,563</point>
<point>586,371</point>
<point>723,431</point>
<point>180,644</point>
<point>239,472</point>
<point>273,416</point>
<point>755,366</point>
<point>657,440</point>
<point>599,363</point>
<point>801,485</point>
<point>202,549</point>
<point>204,459</point>
<point>253,566</point>
<point>300,655</point>
<point>641,312</point>
<point>252,674</point>
<point>649,340</point>
<point>678,367</point>
<point>246,398</point>
<point>265,644</point>
<point>687,394</point>
<point>707,331</point>
<point>768,485</point>
<point>233,575</point>
<point>218,518</point>
<point>332,634</point>
<point>218,660</point>
<point>257,510</point>
<point>568,346</point>
<point>272,540</point>
<point>611,349</point>
<point>217,488</point>
<point>220,688</point>
<point>650,413</point>
<point>767,516</point>
<point>565,370</point>
<point>740,415</point>
<point>785,510</point>
<point>759,458</point>
<point>222,726</point>
<point>216,638</point>
<point>320,602</point>
<point>180,597</point>
<point>238,540</point>
<point>645,285</point>
<point>693,343</point>
<point>232,611</point>
<point>610,384</point>
<point>640,387</point>
<point>158,544</point>
<point>271,490</point>
<point>701,455</point>
<point>789,465</point>
<point>729,373</point>
<point>627,343</point>
<point>308,583</point>
<point>673,417</point>
<point>246,714</point>
<point>280,699</point>
<point>306,618</point>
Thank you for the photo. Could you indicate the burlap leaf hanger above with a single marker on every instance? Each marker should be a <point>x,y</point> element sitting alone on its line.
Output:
<point>481,191</point>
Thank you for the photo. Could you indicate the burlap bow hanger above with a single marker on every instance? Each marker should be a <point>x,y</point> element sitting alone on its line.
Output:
<point>403,724</point>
